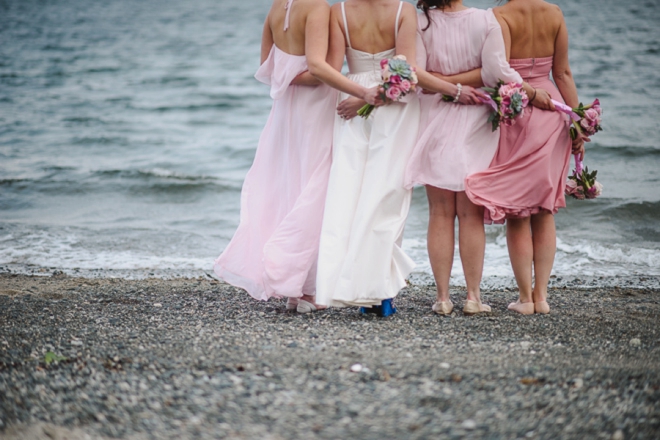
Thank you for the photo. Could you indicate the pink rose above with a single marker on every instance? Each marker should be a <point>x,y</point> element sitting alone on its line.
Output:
<point>383,63</point>
<point>571,187</point>
<point>595,190</point>
<point>592,116</point>
<point>395,79</point>
<point>393,93</point>
<point>405,86</point>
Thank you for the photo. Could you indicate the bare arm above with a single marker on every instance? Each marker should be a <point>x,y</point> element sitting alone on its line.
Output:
<point>266,40</point>
<point>316,50</point>
<point>561,71</point>
<point>469,78</point>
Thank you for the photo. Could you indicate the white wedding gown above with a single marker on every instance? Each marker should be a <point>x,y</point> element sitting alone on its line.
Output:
<point>361,261</point>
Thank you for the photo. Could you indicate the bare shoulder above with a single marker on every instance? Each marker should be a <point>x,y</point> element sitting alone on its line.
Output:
<point>408,9</point>
<point>313,5</point>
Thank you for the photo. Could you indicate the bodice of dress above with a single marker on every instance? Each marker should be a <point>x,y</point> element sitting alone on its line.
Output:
<point>533,68</point>
<point>280,68</point>
<point>363,62</point>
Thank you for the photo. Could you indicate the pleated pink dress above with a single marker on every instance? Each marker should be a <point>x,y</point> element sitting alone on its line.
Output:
<point>457,140</point>
<point>275,248</point>
<point>528,173</point>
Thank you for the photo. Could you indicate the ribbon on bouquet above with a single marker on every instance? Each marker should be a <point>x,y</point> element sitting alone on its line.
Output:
<point>488,100</point>
<point>563,108</point>
<point>579,166</point>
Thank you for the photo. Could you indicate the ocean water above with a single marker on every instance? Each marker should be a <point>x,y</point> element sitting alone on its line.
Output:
<point>126,129</point>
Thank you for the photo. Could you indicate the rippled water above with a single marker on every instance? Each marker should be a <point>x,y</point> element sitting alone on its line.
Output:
<point>126,129</point>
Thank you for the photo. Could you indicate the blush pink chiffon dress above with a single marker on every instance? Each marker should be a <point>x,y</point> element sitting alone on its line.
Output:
<point>528,173</point>
<point>275,248</point>
<point>457,140</point>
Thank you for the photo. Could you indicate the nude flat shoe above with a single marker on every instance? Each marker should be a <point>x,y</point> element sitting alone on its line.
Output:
<point>443,307</point>
<point>292,303</point>
<point>542,307</point>
<point>522,308</point>
<point>474,307</point>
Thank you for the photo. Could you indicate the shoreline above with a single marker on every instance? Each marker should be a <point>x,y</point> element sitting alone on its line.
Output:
<point>194,358</point>
<point>419,279</point>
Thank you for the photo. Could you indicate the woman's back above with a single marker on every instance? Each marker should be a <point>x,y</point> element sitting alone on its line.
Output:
<point>371,24</point>
<point>287,20</point>
<point>532,25</point>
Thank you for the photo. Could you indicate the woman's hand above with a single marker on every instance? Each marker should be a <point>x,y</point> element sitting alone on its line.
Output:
<point>543,100</point>
<point>578,145</point>
<point>373,96</point>
<point>348,108</point>
<point>471,96</point>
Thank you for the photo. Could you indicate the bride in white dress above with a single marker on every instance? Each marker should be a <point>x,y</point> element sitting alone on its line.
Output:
<point>361,262</point>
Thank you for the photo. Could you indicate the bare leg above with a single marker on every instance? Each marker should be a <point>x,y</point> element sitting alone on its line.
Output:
<point>521,254</point>
<point>545,246</point>
<point>471,243</point>
<point>440,239</point>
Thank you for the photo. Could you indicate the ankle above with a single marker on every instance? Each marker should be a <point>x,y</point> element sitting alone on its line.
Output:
<point>442,297</point>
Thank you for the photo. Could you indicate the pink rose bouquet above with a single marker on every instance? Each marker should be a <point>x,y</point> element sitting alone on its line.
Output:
<point>399,79</point>
<point>508,101</point>
<point>582,184</point>
<point>585,118</point>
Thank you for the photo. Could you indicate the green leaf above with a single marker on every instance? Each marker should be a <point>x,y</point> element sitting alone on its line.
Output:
<point>51,357</point>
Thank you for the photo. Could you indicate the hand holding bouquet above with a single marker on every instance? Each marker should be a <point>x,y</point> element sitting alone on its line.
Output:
<point>586,119</point>
<point>582,184</point>
<point>508,101</point>
<point>399,79</point>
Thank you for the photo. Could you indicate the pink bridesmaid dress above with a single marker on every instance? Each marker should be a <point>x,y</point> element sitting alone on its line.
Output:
<point>528,173</point>
<point>275,248</point>
<point>457,140</point>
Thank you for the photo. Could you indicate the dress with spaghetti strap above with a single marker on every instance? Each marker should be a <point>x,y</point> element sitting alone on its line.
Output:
<point>528,173</point>
<point>274,250</point>
<point>361,261</point>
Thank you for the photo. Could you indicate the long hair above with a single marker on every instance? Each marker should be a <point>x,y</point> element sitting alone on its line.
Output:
<point>426,5</point>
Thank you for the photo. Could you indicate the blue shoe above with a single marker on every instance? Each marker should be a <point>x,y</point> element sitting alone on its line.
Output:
<point>386,308</point>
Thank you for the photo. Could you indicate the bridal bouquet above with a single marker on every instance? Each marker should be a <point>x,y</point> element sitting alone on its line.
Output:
<point>508,101</point>
<point>586,118</point>
<point>399,79</point>
<point>582,184</point>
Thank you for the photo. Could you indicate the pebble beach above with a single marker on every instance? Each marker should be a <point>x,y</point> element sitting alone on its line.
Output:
<point>110,358</point>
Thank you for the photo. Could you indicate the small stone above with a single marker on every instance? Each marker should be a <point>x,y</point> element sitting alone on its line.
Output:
<point>588,374</point>
<point>469,424</point>
<point>444,365</point>
<point>158,305</point>
<point>577,383</point>
<point>618,435</point>
<point>356,368</point>
<point>635,342</point>
<point>76,342</point>
<point>525,344</point>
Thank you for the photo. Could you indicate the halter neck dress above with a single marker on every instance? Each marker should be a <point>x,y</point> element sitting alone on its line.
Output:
<point>274,250</point>
<point>361,261</point>
<point>528,173</point>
